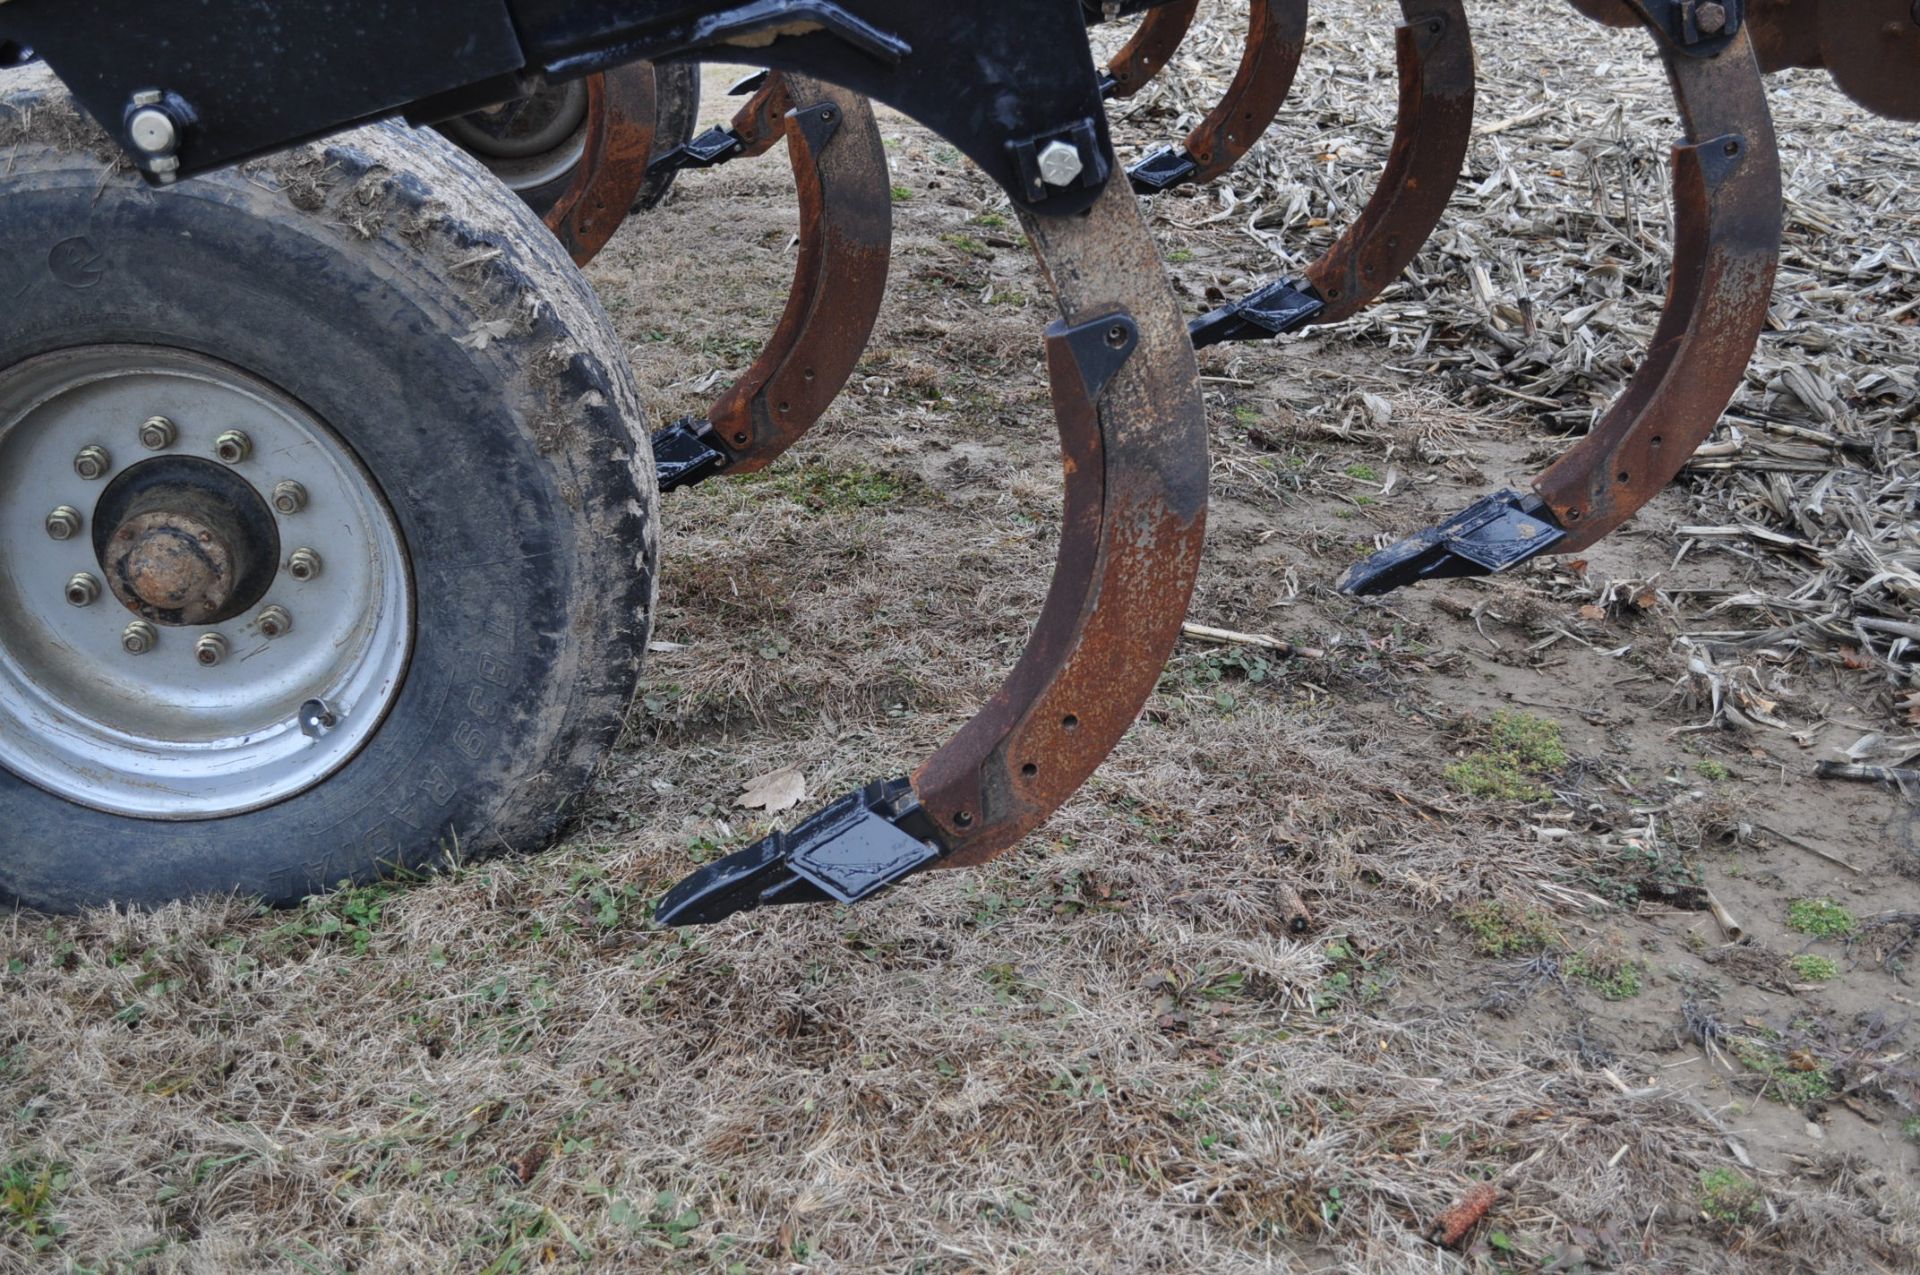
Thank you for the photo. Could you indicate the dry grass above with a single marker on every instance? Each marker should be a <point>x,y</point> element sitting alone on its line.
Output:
<point>1104,1052</point>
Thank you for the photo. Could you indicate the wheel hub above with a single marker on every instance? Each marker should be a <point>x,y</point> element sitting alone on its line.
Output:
<point>184,541</point>
<point>167,564</point>
<point>529,142</point>
<point>190,561</point>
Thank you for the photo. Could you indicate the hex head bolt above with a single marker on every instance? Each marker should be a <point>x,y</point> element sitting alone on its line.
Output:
<point>1060,164</point>
<point>63,523</point>
<point>1711,18</point>
<point>275,622</point>
<point>139,638</point>
<point>92,462</point>
<point>158,434</point>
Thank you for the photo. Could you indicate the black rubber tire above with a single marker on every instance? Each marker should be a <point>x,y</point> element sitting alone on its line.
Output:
<point>391,285</point>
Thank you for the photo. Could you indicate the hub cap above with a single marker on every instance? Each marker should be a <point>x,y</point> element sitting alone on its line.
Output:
<point>531,141</point>
<point>196,551</point>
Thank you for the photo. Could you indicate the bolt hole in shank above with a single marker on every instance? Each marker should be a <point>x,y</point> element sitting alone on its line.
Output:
<point>154,660</point>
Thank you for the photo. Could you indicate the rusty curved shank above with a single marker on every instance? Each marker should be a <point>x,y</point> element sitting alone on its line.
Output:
<point>1727,219</point>
<point>1276,37</point>
<point>1434,49</point>
<point>1153,45</point>
<point>619,146</point>
<point>1134,445</point>
<point>839,282</point>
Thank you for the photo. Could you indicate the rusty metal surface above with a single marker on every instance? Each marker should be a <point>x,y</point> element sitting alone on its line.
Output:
<point>1136,492</point>
<point>613,167</point>
<point>1276,37</point>
<point>1870,47</point>
<point>170,565</point>
<point>1612,13</point>
<point>840,278</point>
<point>1786,33</point>
<point>1872,50</point>
<point>1727,220</point>
<point>1152,47</point>
<point>762,120</point>
<point>1435,53</point>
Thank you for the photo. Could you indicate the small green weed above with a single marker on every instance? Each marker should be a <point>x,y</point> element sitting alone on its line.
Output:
<point>1815,969</point>
<point>1016,1209</point>
<point>1728,1196</point>
<point>902,194</point>
<point>28,1189</point>
<point>1822,918</point>
<point>1215,671</point>
<point>1713,771</point>
<point>351,915</point>
<point>1613,978</point>
<point>833,490</point>
<point>1354,978</point>
<point>1500,928</point>
<point>1789,1082</point>
<point>666,1221</point>
<point>1364,473</point>
<point>1520,749</point>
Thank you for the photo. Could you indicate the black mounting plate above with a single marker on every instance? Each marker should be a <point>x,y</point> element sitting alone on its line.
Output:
<point>1000,79</point>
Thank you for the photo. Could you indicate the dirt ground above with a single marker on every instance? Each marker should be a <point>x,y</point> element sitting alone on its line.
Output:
<point>1505,805</point>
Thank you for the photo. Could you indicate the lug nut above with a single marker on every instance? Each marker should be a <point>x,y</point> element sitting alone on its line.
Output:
<point>210,649</point>
<point>304,565</point>
<point>275,622</point>
<point>92,462</point>
<point>83,590</point>
<point>158,434</point>
<point>289,497</point>
<point>233,447</point>
<point>139,638</point>
<point>64,523</point>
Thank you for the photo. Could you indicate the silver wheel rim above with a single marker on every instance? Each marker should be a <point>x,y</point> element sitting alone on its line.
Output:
<point>160,734</point>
